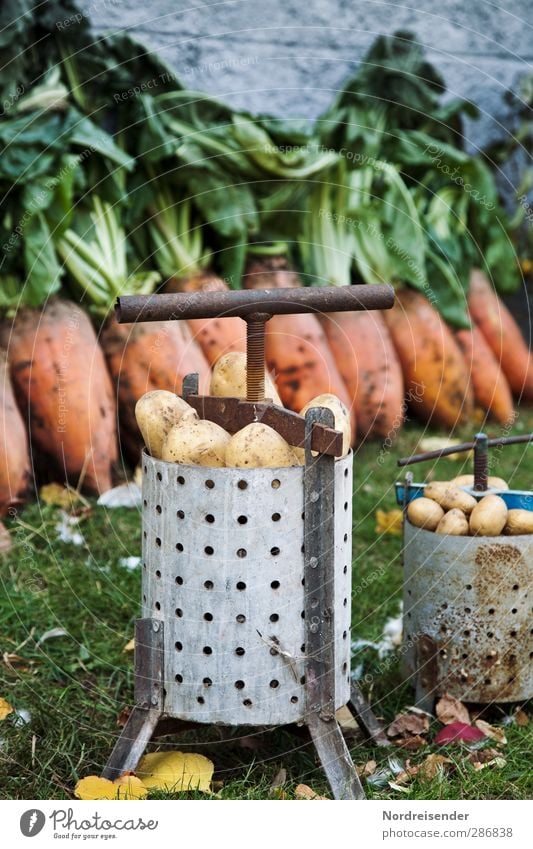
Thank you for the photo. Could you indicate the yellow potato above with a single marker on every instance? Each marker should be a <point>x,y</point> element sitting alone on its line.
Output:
<point>228,379</point>
<point>424,513</point>
<point>450,497</point>
<point>454,522</point>
<point>468,480</point>
<point>196,442</point>
<point>519,522</point>
<point>258,446</point>
<point>156,412</point>
<point>489,516</point>
<point>340,412</point>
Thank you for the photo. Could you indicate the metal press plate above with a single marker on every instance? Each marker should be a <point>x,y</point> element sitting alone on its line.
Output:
<point>223,567</point>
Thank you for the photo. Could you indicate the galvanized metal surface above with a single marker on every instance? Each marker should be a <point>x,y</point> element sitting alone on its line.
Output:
<point>468,615</point>
<point>132,742</point>
<point>130,308</point>
<point>223,568</point>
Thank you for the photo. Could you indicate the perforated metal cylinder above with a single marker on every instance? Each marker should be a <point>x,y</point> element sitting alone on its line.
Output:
<point>467,615</point>
<point>223,566</point>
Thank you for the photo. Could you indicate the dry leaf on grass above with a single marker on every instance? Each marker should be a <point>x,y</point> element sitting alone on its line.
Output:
<point>486,757</point>
<point>521,718</point>
<point>123,716</point>
<point>496,734</point>
<point>57,495</point>
<point>408,724</point>
<point>127,786</point>
<point>5,709</point>
<point>411,743</point>
<point>389,521</point>
<point>302,791</point>
<point>176,771</point>
<point>434,765</point>
<point>449,709</point>
<point>364,770</point>
<point>130,645</point>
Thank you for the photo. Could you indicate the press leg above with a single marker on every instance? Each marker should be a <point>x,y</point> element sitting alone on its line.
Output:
<point>132,742</point>
<point>365,717</point>
<point>335,758</point>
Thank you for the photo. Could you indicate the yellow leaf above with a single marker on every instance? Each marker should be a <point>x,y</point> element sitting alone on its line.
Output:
<point>57,495</point>
<point>176,771</point>
<point>94,787</point>
<point>302,791</point>
<point>389,521</point>
<point>130,787</point>
<point>130,645</point>
<point>5,709</point>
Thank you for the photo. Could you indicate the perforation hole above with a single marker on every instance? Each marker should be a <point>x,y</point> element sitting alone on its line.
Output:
<point>276,517</point>
<point>515,587</point>
<point>210,484</point>
<point>210,518</point>
<point>274,652</point>
<point>207,682</point>
<point>209,550</point>
<point>514,610</point>
<point>344,602</point>
<point>513,633</point>
<point>294,700</point>
<point>468,586</point>
<point>239,685</point>
<point>179,580</point>
<point>158,605</point>
<point>345,537</point>
<point>275,585</point>
<point>158,509</point>
<point>302,680</point>
<point>158,542</point>
<point>207,650</point>
<point>302,614</point>
<point>208,617</point>
<point>274,684</point>
<point>178,679</point>
<point>178,646</point>
<point>239,651</point>
<point>275,484</point>
<point>158,573</point>
<point>145,469</point>
<point>302,648</point>
<point>345,505</point>
<point>181,480</point>
<point>241,552</point>
<point>159,476</point>
<point>200,700</point>
<point>247,702</point>
<point>179,547</point>
<point>242,484</point>
<point>468,610</point>
<point>241,618</point>
<point>145,503</point>
<point>274,617</point>
<point>490,634</point>
<point>346,473</point>
<point>240,585</point>
<point>344,635</point>
<point>344,668</point>
<point>180,514</point>
<point>208,585</point>
<point>344,571</point>
<point>242,520</point>
<point>466,633</point>
<point>179,612</point>
<point>491,611</point>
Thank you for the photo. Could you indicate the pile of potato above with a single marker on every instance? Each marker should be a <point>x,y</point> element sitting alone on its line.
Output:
<point>446,508</point>
<point>172,430</point>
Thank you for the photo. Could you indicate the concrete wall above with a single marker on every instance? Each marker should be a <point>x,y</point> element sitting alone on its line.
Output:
<point>288,57</point>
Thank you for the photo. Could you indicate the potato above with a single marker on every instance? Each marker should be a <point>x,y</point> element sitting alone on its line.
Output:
<point>424,513</point>
<point>228,379</point>
<point>340,412</point>
<point>489,516</point>
<point>454,522</point>
<point>519,522</point>
<point>468,480</point>
<point>450,497</point>
<point>156,412</point>
<point>258,446</point>
<point>196,442</point>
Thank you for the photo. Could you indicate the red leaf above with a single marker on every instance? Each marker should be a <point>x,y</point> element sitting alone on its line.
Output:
<point>458,731</point>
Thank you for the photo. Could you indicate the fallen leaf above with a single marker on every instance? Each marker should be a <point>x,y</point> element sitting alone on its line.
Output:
<point>364,770</point>
<point>458,731</point>
<point>130,646</point>
<point>93,787</point>
<point>483,756</point>
<point>395,786</point>
<point>176,771</point>
<point>15,661</point>
<point>130,787</point>
<point>521,718</point>
<point>491,731</point>
<point>433,766</point>
<point>408,723</point>
<point>57,495</point>
<point>349,726</point>
<point>411,743</point>
<point>123,716</point>
<point>5,709</point>
<point>389,521</point>
<point>449,709</point>
<point>497,762</point>
<point>52,633</point>
<point>302,791</point>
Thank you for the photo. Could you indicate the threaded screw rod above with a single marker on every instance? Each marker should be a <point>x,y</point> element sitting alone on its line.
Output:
<point>255,356</point>
<point>481,462</point>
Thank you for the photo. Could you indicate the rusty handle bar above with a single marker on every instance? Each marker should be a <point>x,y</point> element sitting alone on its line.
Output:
<point>464,446</point>
<point>131,308</point>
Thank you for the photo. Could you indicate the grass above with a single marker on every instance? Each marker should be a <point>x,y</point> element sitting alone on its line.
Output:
<point>74,686</point>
